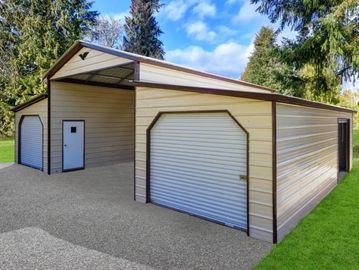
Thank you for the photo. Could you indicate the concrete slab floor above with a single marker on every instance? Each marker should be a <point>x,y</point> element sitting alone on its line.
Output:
<point>94,209</point>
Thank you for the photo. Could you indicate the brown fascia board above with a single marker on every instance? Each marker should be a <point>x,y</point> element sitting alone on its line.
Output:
<point>244,94</point>
<point>63,59</point>
<point>138,58</point>
<point>30,102</point>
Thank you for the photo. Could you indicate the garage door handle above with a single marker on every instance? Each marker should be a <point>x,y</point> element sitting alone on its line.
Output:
<point>243,177</point>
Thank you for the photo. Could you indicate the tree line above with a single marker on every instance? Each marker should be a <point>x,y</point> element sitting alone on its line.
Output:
<point>34,33</point>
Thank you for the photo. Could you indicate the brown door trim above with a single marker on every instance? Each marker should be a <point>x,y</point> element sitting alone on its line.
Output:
<point>348,131</point>
<point>148,153</point>
<point>62,146</point>
<point>19,141</point>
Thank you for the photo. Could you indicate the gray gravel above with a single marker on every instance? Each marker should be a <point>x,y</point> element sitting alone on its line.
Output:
<point>33,248</point>
<point>94,208</point>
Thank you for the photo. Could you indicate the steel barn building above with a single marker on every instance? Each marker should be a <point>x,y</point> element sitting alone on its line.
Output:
<point>221,149</point>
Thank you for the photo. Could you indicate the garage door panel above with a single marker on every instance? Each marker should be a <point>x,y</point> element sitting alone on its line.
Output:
<point>202,198</point>
<point>31,142</point>
<point>206,185</point>
<point>226,152</point>
<point>225,158</point>
<point>192,173</point>
<point>197,160</point>
<point>192,164</point>
<point>202,203</point>
<point>215,213</point>
<point>202,144</point>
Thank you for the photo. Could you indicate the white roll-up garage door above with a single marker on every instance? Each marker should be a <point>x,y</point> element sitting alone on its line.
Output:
<point>198,164</point>
<point>31,142</point>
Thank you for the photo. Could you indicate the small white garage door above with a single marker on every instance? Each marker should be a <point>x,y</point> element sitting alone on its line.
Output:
<point>198,164</point>
<point>31,142</point>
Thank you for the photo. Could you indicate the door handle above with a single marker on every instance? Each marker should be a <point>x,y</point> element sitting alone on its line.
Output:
<point>65,145</point>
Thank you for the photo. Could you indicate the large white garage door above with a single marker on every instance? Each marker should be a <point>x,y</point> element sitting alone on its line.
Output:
<point>31,142</point>
<point>198,164</point>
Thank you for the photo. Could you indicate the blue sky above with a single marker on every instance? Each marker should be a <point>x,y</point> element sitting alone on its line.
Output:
<point>211,35</point>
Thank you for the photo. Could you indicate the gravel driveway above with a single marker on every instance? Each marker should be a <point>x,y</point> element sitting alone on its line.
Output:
<point>94,209</point>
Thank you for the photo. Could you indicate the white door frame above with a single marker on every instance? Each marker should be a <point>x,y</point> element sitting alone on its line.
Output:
<point>63,152</point>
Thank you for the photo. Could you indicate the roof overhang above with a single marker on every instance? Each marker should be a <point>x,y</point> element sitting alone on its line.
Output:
<point>252,95</point>
<point>139,59</point>
<point>118,76</point>
<point>127,76</point>
<point>30,102</point>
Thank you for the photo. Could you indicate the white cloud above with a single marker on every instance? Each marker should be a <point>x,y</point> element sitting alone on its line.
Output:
<point>226,31</point>
<point>351,84</point>
<point>176,9</point>
<point>205,8</point>
<point>227,59</point>
<point>247,13</point>
<point>118,16</point>
<point>199,30</point>
<point>286,33</point>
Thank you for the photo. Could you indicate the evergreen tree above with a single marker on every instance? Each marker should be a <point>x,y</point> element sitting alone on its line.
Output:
<point>142,30</point>
<point>33,34</point>
<point>326,50</point>
<point>264,64</point>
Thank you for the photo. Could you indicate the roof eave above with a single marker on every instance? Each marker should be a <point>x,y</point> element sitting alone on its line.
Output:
<point>81,44</point>
<point>63,59</point>
<point>246,94</point>
<point>30,102</point>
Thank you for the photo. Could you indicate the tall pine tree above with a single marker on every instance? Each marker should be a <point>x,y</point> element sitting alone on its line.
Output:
<point>33,34</point>
<point>142,30</point>
<point>326,50</point>
<point>264,66</point>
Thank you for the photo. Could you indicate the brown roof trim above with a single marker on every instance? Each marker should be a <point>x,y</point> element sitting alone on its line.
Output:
<point>138,58</point>
<point>244,94</point>
<point>63,59</point>
<point>29,103</point>
<point>203,74</point>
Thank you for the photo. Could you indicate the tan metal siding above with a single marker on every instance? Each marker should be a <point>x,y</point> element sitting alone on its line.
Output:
<point>94,60</point>
<point>109,122</point>
<point>255,116</point>
<point>157,74</point>
<point>39,108</point>
<point>307,160</point>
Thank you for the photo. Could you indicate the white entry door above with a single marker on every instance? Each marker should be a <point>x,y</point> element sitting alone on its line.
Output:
<point>73,145</point>
<point>199,166</point>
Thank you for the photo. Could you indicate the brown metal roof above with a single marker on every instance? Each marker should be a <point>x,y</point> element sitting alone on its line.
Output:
<point>245,94</point>
<point>30,102</point>
<point>272,96</point>
<point>139,58</point>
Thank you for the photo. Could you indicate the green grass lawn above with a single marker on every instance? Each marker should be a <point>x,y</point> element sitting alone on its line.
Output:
<point>356,136</point>
<point>328,238</point>
<point>356,143</point>
<point>6,150</point>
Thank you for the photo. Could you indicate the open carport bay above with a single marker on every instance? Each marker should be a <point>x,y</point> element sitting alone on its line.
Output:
<point>95,209</point>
